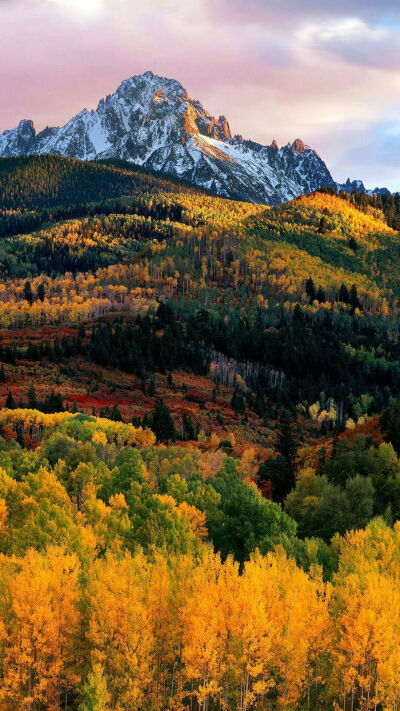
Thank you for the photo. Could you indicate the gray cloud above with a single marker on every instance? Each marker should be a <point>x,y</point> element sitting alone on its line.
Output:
<point>294,12</point>
<point>354,41</point>
<point>362,32</point>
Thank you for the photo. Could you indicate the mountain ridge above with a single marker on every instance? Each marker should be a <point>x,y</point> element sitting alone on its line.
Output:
<point>351,186</point>
<point>151,121</point>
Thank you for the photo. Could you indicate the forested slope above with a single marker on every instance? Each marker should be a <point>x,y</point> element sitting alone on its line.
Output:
<point>199,446</point>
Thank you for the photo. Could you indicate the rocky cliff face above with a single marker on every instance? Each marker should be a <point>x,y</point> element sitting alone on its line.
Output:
<point>152,122</point>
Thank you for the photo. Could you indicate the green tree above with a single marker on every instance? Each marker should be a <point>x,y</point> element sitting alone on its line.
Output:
<point>310,290</point>
<point>95,694</point>
<point>244,519</point>
<point>128,467</point>
<point>321,296</point>
<point>238,403</point>
<point>280,471</point>
<point>344,296</point>
<point>390,425</point>
<point>32,399</point>
<point>53,403</point>
<point>322,509</point>
<point>28,295</point>
<point>57,447</point>
<point>162,423</point>
<point>10,402</point>
<point>40,292</point>
<point>323,225</point>
<point>287,440</point>
<point>353,298</point>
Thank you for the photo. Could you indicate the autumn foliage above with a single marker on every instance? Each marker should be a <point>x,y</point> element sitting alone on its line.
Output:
<point>90,618</point>
<point>223,537</point>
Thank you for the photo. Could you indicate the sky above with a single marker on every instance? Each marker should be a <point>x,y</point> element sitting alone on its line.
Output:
<point>325,71</point>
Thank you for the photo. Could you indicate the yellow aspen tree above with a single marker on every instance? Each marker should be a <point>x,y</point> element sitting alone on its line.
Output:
<point>255,636</point>
<point>292,601</point>
<point>366,613</point>
<point>203,651</point>
<point>167,588</point>
<point>41,631</point>
<point>120,629</point>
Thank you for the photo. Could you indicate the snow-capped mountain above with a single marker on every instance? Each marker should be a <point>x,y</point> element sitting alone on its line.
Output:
<point>152,122</point>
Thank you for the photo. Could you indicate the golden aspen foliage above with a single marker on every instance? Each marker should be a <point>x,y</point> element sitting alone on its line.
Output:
<point>120,629</point>
<point>41,628</point>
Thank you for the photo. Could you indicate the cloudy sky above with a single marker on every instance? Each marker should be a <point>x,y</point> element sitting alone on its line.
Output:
<point>326,71</point>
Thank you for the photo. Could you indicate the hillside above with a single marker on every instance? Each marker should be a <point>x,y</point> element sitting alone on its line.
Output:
<point>300,300</point>
<point>199,441</point>
<point>49,181</point>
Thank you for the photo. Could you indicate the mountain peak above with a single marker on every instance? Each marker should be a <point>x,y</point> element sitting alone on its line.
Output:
<point>149,77</point>
<point>298,146</point>
<point>26,124</point>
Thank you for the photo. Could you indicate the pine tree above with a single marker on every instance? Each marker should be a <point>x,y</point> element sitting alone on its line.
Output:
<point>115,413</point>
<point>162,423</point>
<point>323,225</point>
<point>32,399</point>
<point>287,442</point>
<point>238,403</point>
<point>281,471</point>
<point>53,403</point>
<point>187,427</point>
<point>32,352</point>
<point>344,294</point>
<point>310,290</point>
<point>390,425</point>
<point>353,299</point>
<point>321,297</point>
<point>40,292</point>
<point>58,351</point>
<point>10,402</point>
<point>28,295</point>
